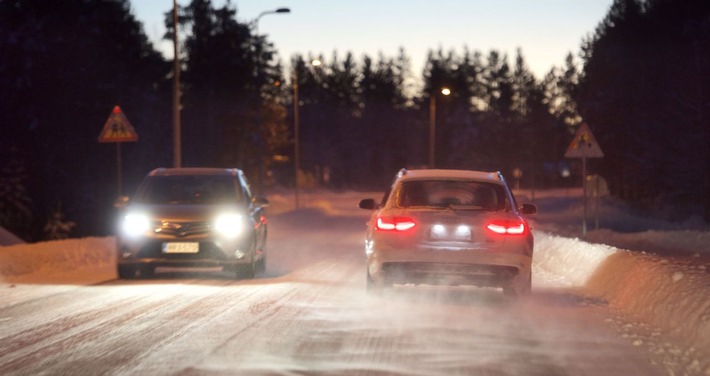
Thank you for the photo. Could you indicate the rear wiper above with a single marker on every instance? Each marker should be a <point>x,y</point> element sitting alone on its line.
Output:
<point>465,207</point>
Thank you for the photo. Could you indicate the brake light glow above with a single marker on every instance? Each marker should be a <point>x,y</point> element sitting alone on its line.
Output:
<point>395,223</point>
<point>507,227</point>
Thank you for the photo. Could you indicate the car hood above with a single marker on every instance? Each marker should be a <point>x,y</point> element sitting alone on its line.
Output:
<point>184,213</point>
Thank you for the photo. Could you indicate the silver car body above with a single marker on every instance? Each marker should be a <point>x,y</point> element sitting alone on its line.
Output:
<point>451,227</point>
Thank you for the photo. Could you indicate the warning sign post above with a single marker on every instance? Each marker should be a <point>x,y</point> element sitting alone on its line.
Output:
<point>118,129</point>
<point>584,146</point>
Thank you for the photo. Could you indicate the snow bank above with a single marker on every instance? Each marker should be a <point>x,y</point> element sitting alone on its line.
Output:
<point>86,260</point>
<point>671,294</point>
<point>7,238</point>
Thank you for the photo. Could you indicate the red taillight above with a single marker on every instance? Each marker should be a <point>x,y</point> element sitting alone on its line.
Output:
<point>395,223</point>
<point>507,227</point>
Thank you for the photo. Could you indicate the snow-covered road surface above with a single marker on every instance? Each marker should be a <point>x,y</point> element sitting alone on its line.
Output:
<point>310,314</point>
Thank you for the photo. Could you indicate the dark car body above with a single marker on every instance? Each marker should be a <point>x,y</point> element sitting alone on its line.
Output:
<point>192,217</point>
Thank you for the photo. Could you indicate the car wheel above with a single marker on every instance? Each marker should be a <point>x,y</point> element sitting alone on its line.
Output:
<point>126,272</point>
<point>373,286</point>
<point>527,288</point>
<point>246,271</point>
<point>511,292</point>
<point>147,271</point>
<point>261,264</point>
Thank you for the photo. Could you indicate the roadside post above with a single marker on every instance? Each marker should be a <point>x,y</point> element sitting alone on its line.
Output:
<point>118,129</point>
<point>584,146</point>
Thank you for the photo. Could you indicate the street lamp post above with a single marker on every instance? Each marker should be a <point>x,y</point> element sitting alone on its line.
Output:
<point>432,124</point>
<point>296,131</point>
<point>258,78</point>
<point>262,14</point>
<point>177,149</point>
<point>296,141</point>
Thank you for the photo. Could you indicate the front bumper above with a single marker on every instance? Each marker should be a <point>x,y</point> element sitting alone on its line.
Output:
<point>211,253</point>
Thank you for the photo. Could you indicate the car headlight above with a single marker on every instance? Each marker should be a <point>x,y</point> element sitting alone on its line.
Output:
<point>229,225</point>
<point>135,224</point>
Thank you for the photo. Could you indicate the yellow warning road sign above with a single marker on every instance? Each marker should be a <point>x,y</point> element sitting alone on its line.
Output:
<point>584,145</point>
<point>118,128</point>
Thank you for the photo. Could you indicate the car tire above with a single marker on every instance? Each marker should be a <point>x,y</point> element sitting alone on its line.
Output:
<point>146,271</point>
<point>525,290</point>
<point>373,286</point>
<point>261,264</point>
<point>248,271</point>
<point>126,272</point>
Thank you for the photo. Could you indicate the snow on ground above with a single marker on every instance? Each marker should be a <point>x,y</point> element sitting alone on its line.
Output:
<point>655,272</point>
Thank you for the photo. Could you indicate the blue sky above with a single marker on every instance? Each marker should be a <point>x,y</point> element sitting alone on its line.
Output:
<point>546,30</point>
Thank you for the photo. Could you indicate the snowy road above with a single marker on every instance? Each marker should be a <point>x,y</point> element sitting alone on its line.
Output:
<point>308,315</point>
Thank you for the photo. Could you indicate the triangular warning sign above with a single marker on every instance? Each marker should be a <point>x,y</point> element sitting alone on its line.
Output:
<point>584,145</point>
<point>118,128</point>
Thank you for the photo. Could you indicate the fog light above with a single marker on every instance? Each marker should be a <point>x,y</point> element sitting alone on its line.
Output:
<point>239,255</point>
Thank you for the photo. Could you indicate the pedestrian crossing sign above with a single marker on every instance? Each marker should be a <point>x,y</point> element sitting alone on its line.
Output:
<point>118,128</point>
<point>584,145</point>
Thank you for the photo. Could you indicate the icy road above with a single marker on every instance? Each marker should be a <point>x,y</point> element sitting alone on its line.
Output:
<point>309,314</point>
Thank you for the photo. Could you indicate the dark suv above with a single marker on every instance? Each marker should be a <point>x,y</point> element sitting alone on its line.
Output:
<point>192,217</point>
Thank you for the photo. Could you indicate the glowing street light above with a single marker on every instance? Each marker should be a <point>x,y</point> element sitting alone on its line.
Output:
<point>432,124</point>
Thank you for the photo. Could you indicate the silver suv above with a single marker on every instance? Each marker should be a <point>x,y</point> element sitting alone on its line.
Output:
<point>192,217</point>
<point>451,227</point>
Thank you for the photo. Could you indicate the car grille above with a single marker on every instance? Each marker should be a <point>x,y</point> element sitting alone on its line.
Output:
<point>181,229</point>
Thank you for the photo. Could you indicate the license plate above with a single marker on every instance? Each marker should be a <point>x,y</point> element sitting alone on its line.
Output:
<point>458,233</point>
<point>185,247</point>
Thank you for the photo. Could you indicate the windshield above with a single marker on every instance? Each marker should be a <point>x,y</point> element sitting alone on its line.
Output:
<point>200,189</point>
<point>460,194</point>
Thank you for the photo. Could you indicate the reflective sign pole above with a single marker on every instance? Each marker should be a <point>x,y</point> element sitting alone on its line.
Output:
<point>118,168</point>
<point>584,146</point>
<point>584,195</point>
<point>118,129</point>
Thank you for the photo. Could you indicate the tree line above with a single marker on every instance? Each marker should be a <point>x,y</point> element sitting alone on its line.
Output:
<point>640,82</point>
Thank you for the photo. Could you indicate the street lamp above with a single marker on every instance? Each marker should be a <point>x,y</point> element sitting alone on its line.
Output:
<point>432,123</point>
<point>262,14</point>
<point>258,78</point>
<point>296,135</point>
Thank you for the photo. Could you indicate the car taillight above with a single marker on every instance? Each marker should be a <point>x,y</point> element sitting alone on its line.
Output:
<point>395,223</point>
<point>507,227</point>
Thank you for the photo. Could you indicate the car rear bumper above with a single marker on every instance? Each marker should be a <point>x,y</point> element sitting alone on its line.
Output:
<point>485,268</point>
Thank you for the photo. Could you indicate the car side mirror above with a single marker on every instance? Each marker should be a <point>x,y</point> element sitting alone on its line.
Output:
<point>121,202</point>
<point>368,204</point>
<point>260,202</point>
<point>528,209</point>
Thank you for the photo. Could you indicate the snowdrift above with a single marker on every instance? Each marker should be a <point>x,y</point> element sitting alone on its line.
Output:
<point>671,294</point>
<point>87,260</point>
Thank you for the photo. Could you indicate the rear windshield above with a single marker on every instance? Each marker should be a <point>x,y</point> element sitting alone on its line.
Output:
<point>196,189</point>
<point>465,194</point>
